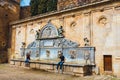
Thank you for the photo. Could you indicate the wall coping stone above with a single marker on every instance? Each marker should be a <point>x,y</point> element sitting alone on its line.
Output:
<point>56,12</point>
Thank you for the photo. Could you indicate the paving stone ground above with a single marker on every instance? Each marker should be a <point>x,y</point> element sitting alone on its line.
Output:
<point>8,72</point>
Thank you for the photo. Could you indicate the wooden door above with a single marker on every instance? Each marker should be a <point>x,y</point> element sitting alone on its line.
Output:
<point>107,63</point>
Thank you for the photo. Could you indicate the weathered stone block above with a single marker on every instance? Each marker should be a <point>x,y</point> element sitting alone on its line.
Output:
<point>17,63</point>
<point>22,63</point>
<point>66,68</point>
<point>49,67</point>
<point>37,66</point>
<point>43,67</point>
<point>12,62</point>
<point>32,65</point>
<point>78,74</point>
<point>78,70</point>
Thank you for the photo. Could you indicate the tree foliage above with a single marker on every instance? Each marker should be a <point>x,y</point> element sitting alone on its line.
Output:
<point>42,6</point>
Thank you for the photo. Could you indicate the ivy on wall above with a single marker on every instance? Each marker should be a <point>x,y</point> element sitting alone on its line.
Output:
<point>42,6</point>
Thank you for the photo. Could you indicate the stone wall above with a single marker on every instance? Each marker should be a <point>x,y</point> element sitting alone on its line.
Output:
<point>100,24</point>
<point>66,4</point>
<point>25,12</point>
<point>9,11</point>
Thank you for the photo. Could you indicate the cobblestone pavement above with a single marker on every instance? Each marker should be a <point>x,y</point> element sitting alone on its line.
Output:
<point>8,72</point>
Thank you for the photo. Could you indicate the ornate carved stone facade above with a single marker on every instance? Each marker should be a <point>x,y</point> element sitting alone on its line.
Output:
<point>88,26</point>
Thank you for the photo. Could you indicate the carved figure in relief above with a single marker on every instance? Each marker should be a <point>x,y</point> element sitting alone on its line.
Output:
<point>47,53</point>
<point>23,50</point>
<point>106,28</point>
<point>37,53</point>
<point>102,20</point>
<point>37,34</point>
<point>23,45</point>
<point>73,54</point>
<point>87,57</point>
<point>60,31</point>
<point>86,41</point>
<point>48,32</point>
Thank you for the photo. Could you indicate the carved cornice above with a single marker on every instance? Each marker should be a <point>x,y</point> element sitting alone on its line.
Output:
<point>57,12</point>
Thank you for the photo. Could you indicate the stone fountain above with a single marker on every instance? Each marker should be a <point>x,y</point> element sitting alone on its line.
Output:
<point>50,40</point>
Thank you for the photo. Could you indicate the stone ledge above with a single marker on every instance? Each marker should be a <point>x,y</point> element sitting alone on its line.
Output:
<point>74,69</point>
<point>53,63</point>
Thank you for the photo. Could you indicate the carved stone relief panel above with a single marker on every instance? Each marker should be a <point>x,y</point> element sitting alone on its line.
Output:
<point>32,31</point>
<point>73,54</point>
<point>68,43</point>
<point>102,20</point>
<point>57,43</point>
<point>105,22</point>
<point>19,32</point>
<point>78,55</point>
<point>37,53</point>
<point>47,47</point>
<point>34,53</point>
<point>102,29</point>
<point>73,25</point>
<point>47,53</point>
<point>34,44</point>
<point>49,31</point>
